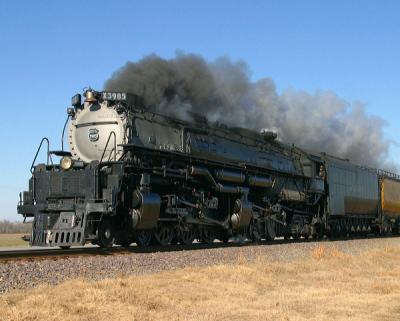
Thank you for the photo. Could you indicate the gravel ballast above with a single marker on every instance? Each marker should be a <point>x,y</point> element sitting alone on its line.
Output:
<point>21,274</point>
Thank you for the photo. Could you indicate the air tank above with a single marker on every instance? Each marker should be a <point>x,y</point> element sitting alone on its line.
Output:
<point>230,176</point>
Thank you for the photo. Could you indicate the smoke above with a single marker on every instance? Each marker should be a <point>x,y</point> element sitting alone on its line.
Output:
<point>223,91</point>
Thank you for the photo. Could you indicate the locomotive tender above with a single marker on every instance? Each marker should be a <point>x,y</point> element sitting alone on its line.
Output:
<point>133,175</point>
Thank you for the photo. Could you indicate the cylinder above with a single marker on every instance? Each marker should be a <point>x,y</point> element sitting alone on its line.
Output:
<point>260,181</point>
<point>228,189</point>
<point>229,176</point>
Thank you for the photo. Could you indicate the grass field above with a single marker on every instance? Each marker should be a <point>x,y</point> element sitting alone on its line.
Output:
<point>12,240</point>
<point>329,285</point>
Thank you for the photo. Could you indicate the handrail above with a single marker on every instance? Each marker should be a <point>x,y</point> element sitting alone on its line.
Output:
<point>114,149</point>
<point>63,133</point>
<point>38,150</point>
<point>385,173</point>
<point>109,156</point>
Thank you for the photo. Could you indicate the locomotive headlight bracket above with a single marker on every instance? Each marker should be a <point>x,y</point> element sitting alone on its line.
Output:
<point>66,163</point>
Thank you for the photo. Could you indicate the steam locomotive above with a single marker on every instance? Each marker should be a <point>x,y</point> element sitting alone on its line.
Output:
<point>133,175</point>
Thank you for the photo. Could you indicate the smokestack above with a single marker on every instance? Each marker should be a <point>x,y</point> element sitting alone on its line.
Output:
<point>223,91</point>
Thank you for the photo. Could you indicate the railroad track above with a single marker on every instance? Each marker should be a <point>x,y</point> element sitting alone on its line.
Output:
<point>29,253</point>
<point>37,253</point>
<point>45,253</point>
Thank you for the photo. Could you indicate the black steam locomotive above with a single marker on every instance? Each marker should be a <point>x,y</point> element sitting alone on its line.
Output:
<point>132,175</point>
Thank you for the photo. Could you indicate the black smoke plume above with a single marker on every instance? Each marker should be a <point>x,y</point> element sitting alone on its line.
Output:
<point>223,91</point>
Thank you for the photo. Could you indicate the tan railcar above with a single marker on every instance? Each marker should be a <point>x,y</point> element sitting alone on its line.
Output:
<point>390,197</point>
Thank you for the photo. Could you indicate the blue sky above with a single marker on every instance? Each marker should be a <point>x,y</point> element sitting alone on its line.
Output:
<point>50,50</point>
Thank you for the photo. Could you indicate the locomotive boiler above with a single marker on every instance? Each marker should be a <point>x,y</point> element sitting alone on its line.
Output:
<point>133,175</point>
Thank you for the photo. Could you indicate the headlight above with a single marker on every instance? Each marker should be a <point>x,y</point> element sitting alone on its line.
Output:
<point>66,163</point>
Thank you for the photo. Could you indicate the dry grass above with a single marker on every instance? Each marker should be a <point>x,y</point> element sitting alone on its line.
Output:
<point>329,285</point>
<point>12,240</point>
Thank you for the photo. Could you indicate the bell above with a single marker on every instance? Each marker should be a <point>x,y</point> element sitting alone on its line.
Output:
<point>90,96</point>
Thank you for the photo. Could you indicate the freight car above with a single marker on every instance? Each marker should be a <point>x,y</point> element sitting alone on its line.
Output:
<point>132,175</point>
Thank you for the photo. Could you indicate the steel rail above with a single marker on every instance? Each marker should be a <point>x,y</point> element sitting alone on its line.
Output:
<point>55,253</point>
